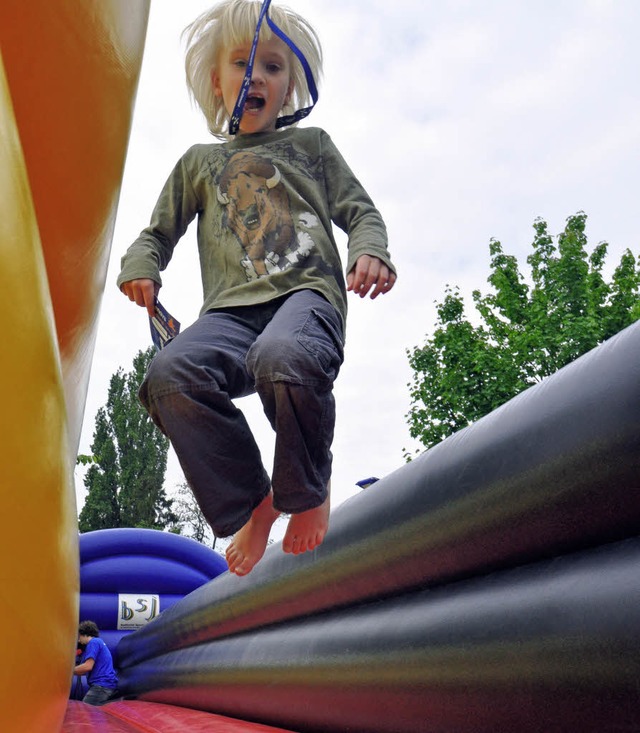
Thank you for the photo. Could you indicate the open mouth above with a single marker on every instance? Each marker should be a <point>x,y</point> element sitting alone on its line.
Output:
<point>254,103</point>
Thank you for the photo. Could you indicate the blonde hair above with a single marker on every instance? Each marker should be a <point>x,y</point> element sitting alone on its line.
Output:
<point>232,23</point>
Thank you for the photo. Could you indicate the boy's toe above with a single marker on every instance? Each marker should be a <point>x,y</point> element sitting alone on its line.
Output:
<point>299,545</point>
<point>234,558</point>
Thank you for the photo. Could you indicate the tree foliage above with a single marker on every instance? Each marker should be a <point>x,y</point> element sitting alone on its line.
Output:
<point>125,477</point>
<point>525,332</point>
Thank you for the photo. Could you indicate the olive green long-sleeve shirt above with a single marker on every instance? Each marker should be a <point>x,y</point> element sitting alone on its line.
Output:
<point>264,205</point>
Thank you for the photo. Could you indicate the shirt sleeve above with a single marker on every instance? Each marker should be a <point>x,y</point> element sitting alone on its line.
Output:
<point>352,209</point>
<point>92,650</point>
<point>176,208</point>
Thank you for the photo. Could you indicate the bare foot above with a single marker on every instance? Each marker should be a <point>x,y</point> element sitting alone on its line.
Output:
<point>307,530</point>
<point>250,542</point>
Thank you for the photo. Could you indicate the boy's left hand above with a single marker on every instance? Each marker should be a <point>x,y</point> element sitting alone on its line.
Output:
<point>370,272</point>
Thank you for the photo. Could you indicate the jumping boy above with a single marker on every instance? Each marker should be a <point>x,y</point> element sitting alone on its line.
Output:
<point>274,309</point>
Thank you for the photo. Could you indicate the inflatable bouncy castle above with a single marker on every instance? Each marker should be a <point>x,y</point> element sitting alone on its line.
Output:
<point>128,577</point>
<point>493,584</point>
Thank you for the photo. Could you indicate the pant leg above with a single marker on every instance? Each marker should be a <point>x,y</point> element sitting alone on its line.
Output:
<point>188,392</point>
<point>99,695</point>
<point>294,363</point>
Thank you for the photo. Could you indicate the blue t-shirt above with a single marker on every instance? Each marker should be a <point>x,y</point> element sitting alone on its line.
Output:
<point>103,673</point>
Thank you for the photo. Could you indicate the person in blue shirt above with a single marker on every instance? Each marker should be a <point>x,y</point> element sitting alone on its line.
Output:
<point>97,664</point>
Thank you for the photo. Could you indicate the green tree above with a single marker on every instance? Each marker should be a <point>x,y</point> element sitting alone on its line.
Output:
<point>101,509</point>
<point>125,477</point>
<point>525,332</point>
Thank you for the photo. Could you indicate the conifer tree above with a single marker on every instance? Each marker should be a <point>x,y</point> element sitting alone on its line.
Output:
<point>125,479</point>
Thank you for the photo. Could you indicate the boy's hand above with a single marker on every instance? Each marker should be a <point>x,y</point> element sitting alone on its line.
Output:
<point>143,292</point>
<point>370,272</point>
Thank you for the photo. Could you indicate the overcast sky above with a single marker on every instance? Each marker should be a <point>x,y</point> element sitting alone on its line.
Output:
<point>465,120</point>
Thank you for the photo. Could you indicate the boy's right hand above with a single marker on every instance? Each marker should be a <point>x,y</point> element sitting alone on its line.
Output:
<point>143,292</point>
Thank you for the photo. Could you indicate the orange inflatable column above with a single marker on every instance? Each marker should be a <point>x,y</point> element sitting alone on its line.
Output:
<point>68,76</point>
<point>73,69</point>
<point>38,535</point>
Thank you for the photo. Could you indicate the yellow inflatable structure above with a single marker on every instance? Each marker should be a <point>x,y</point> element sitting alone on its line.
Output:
<point>68,76</point>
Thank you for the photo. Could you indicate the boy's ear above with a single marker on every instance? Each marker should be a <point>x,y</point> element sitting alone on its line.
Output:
<point>215,83</point>
<point>290,88</point>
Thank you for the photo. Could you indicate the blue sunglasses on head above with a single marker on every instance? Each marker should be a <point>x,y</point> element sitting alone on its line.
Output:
<point>234,122</point>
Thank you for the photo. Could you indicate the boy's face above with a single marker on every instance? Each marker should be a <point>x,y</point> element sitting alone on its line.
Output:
<point>271,83</point>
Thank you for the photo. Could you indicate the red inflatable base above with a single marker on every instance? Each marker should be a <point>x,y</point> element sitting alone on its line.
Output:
<point>149,717</point>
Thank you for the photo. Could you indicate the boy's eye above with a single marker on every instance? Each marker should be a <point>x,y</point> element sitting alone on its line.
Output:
<point>240,63</point>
